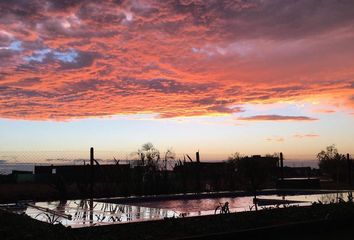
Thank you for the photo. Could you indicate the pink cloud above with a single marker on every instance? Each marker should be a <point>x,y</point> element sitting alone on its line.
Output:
<point>325,111</point>
<point>172,58</point>
<point>276,118</point>
<point>275,139</point>
<point>310,135</point>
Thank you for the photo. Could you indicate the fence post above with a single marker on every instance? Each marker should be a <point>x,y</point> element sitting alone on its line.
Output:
<point>349,162</point>
<point>91,171</point>
<point>199,174</point>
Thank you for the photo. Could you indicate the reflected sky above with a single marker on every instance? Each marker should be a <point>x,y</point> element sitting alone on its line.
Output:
<point>85,213</point>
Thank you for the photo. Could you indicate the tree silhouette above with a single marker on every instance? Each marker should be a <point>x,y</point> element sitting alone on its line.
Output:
<point>332,163</point>
<point>150,162</point>
<point>169,155</point>
<point>149,156</point>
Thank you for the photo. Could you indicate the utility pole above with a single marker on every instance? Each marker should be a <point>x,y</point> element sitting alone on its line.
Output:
<point>198,167</point>
<point>197,157</point>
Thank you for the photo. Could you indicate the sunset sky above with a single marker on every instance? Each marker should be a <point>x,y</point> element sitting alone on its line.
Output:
<point>256,77</point>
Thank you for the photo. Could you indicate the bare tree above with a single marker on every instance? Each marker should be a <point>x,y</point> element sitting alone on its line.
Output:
<point>332,163</point>
<point>169,155</point>
<point>149,156</point>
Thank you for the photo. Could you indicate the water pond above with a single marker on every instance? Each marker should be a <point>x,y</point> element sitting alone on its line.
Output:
<point>85,213</point>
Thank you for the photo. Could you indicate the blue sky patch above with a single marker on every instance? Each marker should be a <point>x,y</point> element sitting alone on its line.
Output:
<point>68,57</point>
<point>40,55</point>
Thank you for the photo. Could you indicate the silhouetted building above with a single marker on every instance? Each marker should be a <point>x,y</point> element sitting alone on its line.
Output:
<point>81,173</point>
<point>203,176</point>
<point>192,176</point>
<point>299,183</point>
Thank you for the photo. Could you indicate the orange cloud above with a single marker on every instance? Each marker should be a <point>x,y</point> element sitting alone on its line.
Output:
<point>75,59</point>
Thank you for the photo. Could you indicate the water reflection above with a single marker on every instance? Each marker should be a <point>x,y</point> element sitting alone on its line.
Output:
<point>81,213</point>
<point>88,212</point>
<point>194,207</point>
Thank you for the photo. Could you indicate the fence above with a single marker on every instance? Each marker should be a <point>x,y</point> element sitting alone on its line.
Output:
<point>26,160</point>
